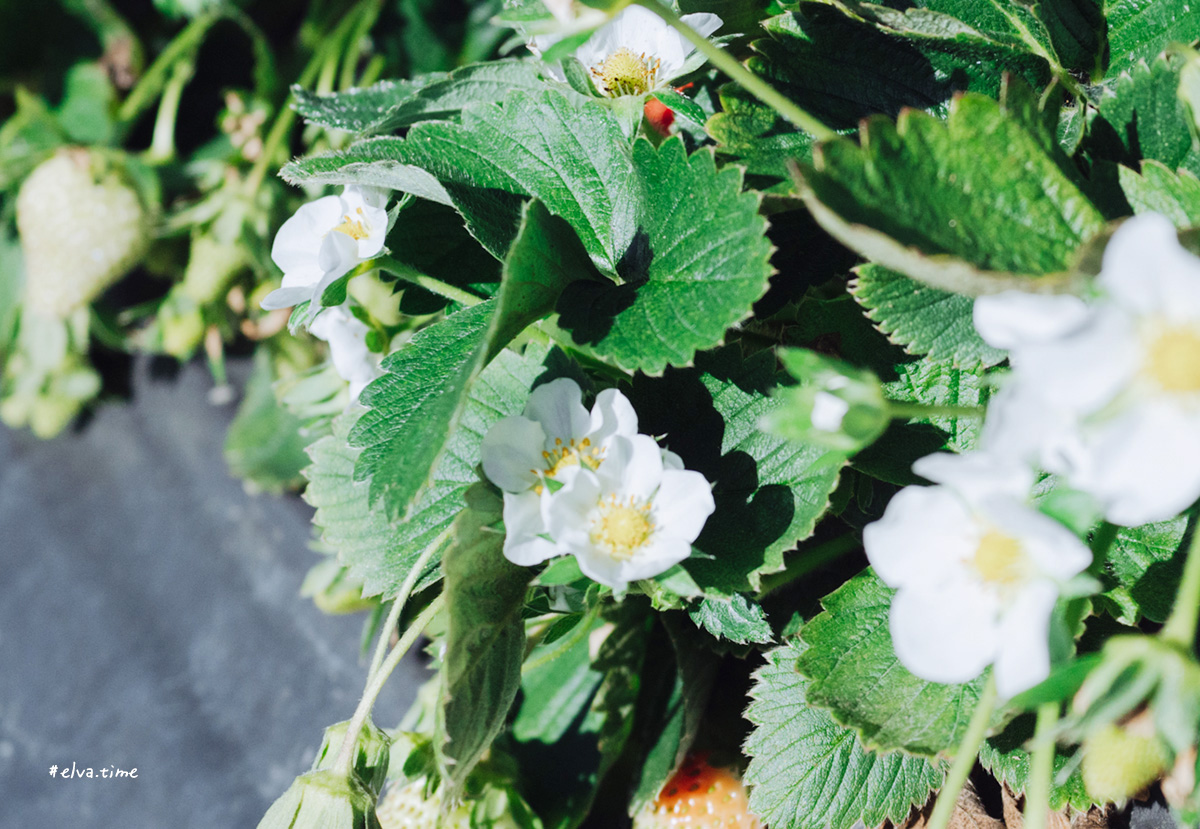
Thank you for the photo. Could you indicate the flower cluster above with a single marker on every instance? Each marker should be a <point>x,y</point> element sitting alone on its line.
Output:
<point>587,484</point>
<point>322,242</point>
<point>1104,392</point>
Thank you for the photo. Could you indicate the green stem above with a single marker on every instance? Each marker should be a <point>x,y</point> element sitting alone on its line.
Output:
<point>354,50</point>
<point>899,410</point>
<point>1180,628</point>
<point>1041,767</point>
<point>964,758</point>
<point>806,561</point>
<point>148,88</point>
<point>415,277</point>
<point>162,145</point>
<point>375,684</point>
<point>732,67</point>
<point>410,581</point>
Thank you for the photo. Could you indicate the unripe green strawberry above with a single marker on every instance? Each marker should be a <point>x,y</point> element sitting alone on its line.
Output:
<point>700,796</point>
<point>80,230</point>
<point>1118,763</point>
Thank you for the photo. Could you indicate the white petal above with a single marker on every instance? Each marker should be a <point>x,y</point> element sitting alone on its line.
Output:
<point>347,338</point>
<point>682,504</point>
<point>1144,465</point>
<point>828,411</point>
<point>298,242</point>
<point>977,475</point>
<point>632,467</point>
<point>655,557</point>
<point>1023,658</point>
<point>285,298</point>
<point>567,513</point>
<point>944,636</point>
<point>338,255</point>
<point>1085,369</point>
<point>1015,318</point>
<point>612,414</point>
<point>1023,426</point>
<point>923,534</point>
<point>523,528</point>
<point>558,406</point>
<point>671,460</point>
<point>1147,270</point>
<point>703,22</point>
<point>511,452</point>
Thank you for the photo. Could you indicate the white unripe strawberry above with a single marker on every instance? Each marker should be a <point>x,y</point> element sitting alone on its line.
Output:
<point>406,807</point>
<point>82,227</point>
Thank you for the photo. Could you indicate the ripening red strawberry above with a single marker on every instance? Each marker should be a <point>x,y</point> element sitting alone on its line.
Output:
<point>700,796</point>
<point>659,116</point>
<point>82,227</point>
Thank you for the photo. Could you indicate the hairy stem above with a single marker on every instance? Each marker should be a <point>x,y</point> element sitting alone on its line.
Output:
<point>181,48</point>
<point>345,758</point>
<point>162,144</point>
<point>900,410</point>
<point>964,758</point>
<point>1041,767</point>
<point>437,286</point>
<point>732,67</point>
<point>1180,627</point>
<point>410,581</point>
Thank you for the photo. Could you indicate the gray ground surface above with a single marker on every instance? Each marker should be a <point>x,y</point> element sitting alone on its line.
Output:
<point>149,619</point>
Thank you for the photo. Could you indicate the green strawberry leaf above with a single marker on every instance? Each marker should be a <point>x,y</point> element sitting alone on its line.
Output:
<point>985,201</point>
<point>381,553</point>
<point>736,619</point>
<point>415,406</point>
<point>853,672</point>
<point>1140,116</point>
<point>485,638</point>
<point>921,319</point>
<point>769,492</point>
<point>1005,757</point>
<point>1141,29</point>
<point>697,265</point>
<point>1146,563</point>
<point>808,772</point>
<point>1158,190</point>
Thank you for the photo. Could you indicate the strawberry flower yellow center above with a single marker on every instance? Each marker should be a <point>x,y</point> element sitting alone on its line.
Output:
<point>622,526</point>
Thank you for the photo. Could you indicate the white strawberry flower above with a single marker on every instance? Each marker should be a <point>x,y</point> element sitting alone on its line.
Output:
<point>555,432</point>
<point>347,338</point>
<point>636,52</point>
<point>324,240</point>
<point>633,517</point>
<point>977,571</point>
<point>1107,392</point>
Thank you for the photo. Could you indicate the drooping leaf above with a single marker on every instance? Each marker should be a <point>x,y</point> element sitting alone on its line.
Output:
<point>698,263</point>
<point>377,551</point>
<point>985,201</point>
<point>485,638</point>
<point>1141,29</point>
<point>769,492</point>
<point>808,772</point>
<point>264,446</point>
<point>1147,563</point>
<point>854,673</point>
<point>417,403</point>
<point>737,619</point>
<point>923,320</point>
<point>1158,190</point>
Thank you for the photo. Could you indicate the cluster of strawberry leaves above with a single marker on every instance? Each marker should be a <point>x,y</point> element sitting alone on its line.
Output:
<point>984,145</point>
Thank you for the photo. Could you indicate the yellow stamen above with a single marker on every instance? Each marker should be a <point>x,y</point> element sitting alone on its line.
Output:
<point>999,559</point>
<point>354,228</point>
<point>623,527</point>
<point>624,73</point>
<point>1173,360</point>
<point>572,454</point>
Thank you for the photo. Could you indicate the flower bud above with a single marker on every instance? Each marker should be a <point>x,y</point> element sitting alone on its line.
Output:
<point>323,800</point>
<point>834,405</point>
<point>371,753</point>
